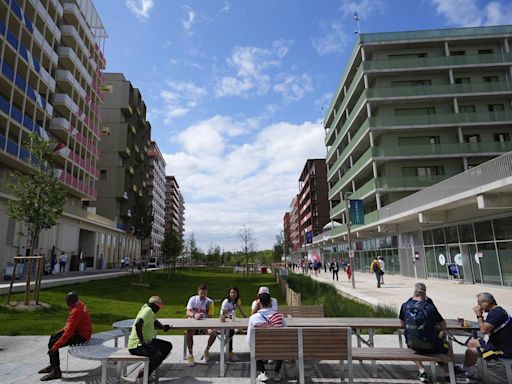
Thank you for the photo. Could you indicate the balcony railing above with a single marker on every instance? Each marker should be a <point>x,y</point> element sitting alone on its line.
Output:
<point>361,132</point>
<point>443,149</point>
<point>358,165</point>
<point>346,125</point>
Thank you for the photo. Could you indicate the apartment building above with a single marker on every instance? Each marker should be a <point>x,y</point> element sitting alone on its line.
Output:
<point>51,75</point>
<point>413,109</point>
<point>296,240</point>
<point>287,233</point>
<point>313,203</point>
<point>125,143</point>
<point>156,194</point>
<point>174,207</point>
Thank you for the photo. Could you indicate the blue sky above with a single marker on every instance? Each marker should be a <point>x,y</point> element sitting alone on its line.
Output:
<point>235,91</point>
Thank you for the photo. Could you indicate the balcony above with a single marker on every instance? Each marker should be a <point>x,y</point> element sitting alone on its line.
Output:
<point>504,59</point>
<point>64,103</point>
<point>439,120</point>
<point>447,90</point>
<point>367,189</point>
<point>347,150</point>
<point>363,161</point>
<point>346,125</point>
<point>125,152</point>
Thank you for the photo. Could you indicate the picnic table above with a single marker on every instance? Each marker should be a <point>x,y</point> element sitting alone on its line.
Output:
<point>357,323</point>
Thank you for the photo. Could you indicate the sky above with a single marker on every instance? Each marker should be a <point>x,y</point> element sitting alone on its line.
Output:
<point>236,91</point>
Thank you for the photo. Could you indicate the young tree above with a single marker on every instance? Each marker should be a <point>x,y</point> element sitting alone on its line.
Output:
<point>279,247</point>
<point>39,197</point>
<point>141,226</point>
<point>248,243</point>
<point>172,246</point>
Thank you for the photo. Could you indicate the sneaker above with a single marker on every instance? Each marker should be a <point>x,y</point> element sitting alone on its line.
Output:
<point>470,378</point>
<point>191,361</point>
<point>206,356</point>
<point>47,369</point>
<point>422,376</point>
<point>457,368</point>
<point>233,357</point>
<point>263,377</point>
<point>277,376</point>
<point>53,375</point>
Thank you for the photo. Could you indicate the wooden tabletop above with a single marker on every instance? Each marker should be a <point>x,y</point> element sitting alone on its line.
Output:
<point>242,323</point>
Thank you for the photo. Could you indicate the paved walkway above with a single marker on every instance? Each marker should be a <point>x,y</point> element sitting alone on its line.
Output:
<point>452,299</point>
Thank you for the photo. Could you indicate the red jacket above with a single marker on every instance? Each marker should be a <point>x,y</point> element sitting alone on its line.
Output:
<point>78,322</point>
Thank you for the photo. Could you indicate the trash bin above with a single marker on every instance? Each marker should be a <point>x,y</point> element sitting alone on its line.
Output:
<point>82,266</point>
<point>263,269</point>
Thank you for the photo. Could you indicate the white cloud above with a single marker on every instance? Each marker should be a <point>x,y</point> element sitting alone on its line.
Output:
<point>191,17</point>
<point>227,185</point>
<point>178,98</point>
<point>493,13</point>
<point>251,66</point>
<point>226,8</point>
<point>140,8</point>
<point>293,88</point>
<point>333,40</point>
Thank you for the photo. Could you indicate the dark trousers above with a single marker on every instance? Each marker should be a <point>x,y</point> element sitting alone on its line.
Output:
<point>335,273</point>
<point>260,365</point>
<point>377,276</point>
<point>231,335</point>
<point>62,266</point>
<point>157,351</point>
<point>54,356</point>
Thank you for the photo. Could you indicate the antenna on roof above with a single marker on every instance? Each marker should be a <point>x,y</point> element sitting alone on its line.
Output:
<point>357,19</point>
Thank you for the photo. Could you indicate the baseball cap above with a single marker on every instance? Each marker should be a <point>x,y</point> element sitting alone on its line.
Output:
<point>156,300</point>
<point>263,290</point>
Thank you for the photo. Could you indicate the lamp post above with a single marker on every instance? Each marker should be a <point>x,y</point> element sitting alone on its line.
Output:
<point>351,254</point>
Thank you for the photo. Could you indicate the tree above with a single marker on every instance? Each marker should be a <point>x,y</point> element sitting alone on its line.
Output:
<point>279,247</point>
<point>39,197</point>
<point>248,243</point>
<point>141,226</point>
<point>172,246</point>
<point>193,249</point>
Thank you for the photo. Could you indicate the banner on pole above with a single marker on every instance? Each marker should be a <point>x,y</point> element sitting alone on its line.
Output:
<point>356,212</point>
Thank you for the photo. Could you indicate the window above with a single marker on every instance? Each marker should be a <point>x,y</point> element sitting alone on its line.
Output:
<point>415,111</point>
<point>411,83</point>
<point>485,51</point>
<point>501,137</point>
<point>423,171</point>
<point>418,140</point>
<point>467,108</point>
<point>462,80</point>
<point>433,139</point>
<point>407,55</point>
<point>496,107</point>
<point>103,174</point>
<point>490,79</point>
<point>457,53</point>
<point>472,138</point>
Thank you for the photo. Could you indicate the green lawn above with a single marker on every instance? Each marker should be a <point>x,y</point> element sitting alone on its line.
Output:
<point>116,299</point>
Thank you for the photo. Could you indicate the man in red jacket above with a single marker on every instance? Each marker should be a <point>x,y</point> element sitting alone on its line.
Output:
<point>77,330</point>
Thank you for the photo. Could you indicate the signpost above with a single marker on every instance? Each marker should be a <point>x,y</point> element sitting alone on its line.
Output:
<point>355,215</point>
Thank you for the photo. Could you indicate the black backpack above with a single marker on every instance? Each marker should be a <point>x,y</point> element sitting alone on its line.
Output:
<point>420,329</point>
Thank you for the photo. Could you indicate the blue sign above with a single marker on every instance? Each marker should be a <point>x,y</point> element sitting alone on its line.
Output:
<point>309,237</point>
<point>356,212</point>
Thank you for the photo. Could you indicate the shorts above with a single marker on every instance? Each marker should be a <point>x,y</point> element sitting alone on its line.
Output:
<point>489,351</point>
<point>442,347</point>
<point>202,331</point>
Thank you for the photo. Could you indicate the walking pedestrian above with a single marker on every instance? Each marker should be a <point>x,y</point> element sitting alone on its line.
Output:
<point>382,269</point>
<point>375,268</point>
<point>349,271</point>
<point>62,262</point>
<point>335,267</point>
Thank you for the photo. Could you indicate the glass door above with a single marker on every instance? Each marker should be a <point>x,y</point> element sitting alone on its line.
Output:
<point>456,262</point>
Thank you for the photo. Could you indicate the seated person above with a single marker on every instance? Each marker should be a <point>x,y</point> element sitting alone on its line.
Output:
<point>265,317</point>
<point>143,341</point>
<point>200,307</point>
<point>256,306</point>
<point>497,326</point>
<point>78,330</point>
<point>227,310</point>
<point>425,329</point>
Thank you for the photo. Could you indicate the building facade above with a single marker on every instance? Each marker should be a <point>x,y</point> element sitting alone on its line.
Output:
<point>156,194</point>
<point>414,109</point>
<point>313,203</point>
<point>125,143</point>
<point>50,84</point>
<point>174,207</point>
<point>295,235</point>
<point>287,233</point>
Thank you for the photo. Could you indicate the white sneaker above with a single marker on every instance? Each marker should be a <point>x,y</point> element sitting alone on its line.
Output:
<point>263,377</point>
<point>191,361</point>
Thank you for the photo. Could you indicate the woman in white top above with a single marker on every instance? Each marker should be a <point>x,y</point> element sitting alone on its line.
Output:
<point>256,306</point>
<point>228,311</point>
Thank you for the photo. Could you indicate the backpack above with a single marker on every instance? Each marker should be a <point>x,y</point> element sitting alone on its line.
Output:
<point>420,329</point>
<point>376,267</point>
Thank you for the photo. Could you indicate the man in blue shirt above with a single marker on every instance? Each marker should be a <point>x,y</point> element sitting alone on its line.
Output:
<point>497,326</point>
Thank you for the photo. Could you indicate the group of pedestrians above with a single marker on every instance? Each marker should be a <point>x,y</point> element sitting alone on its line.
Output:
<point>378,267</point>
<point>143,339</point>
<point>426,332</point>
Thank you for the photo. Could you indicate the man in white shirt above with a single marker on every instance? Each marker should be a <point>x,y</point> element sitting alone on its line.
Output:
<point>62,262</point>
<point>200,307</point>
<point>266,317</point>
<point>255,306</point>
<point>382,270</point>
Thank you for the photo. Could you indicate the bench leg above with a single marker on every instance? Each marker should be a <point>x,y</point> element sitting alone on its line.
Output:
<point>350,369</point>
<point>301,370</point>
<point>103,372</point>
<point>253,370</point>
<point>400,338</point>
<point>451,372</point>
<point>433,371</point>
<point>342,369</point>
<point>185,346</point>
<point>371,344</point>
<point>146,371</point>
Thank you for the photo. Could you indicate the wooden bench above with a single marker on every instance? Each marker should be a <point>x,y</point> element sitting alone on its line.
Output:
<point>94,349</point>
<point>404,354</point>
<point>301,344</point>
<point>483,374</point>
<point>303,311</point>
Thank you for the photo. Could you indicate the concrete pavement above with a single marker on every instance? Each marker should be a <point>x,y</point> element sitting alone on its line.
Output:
<point>452,299</point>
